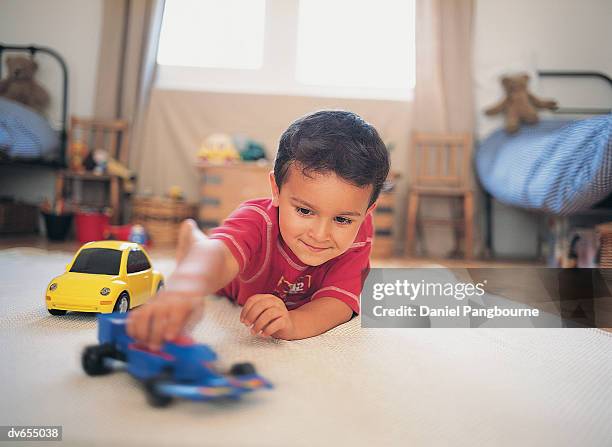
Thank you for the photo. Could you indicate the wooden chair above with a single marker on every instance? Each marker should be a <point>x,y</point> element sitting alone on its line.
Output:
<point>90,134</point>
<point>440,167</point>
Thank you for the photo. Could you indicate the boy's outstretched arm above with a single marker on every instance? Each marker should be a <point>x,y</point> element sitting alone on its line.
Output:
<point>207,267</point>
<point>268,315</point>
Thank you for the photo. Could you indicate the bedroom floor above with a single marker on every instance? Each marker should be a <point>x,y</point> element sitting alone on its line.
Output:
<point>460,387</point>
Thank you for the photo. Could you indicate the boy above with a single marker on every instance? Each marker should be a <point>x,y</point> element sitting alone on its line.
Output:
<point>295,262</point>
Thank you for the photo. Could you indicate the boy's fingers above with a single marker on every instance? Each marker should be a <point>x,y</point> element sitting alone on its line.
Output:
<point>256,311</point>
<point>130,322</point>
<point>141,325</point>
<point>158,327</point>
<point>265,318</point>
<point>249,304</point>
<point>256,304</point>
<point>275,326</point>
<point>176,323</point>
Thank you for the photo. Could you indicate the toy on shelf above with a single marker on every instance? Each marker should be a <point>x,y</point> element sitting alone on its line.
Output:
<point>249,150</point>
<point>115,168</point>
<point>175,192</point>
<point>104,276</point>
<point>77,153</point>
<point>218,149</point>
<point>181,369</point>
<point>100,157</point>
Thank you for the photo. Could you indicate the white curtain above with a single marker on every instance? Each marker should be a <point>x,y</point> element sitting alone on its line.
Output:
<point>126,64</point>
<point>444,87</point>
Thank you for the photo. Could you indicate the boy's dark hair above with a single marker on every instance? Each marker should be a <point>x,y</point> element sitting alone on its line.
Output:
<point>334,141</point>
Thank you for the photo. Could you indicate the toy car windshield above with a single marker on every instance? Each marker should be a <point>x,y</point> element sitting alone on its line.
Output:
<point>98,261</point>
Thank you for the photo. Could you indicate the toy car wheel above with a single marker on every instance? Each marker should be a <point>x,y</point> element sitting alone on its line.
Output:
<point>122,305</point>
<point>93,359</point>
<point>243,369</point>
<point>154,397</point>
<point>57,312</point>
<point>160,286</point>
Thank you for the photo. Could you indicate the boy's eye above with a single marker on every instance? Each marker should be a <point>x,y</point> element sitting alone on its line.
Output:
<point>303,211</point>
<point>344,220</point>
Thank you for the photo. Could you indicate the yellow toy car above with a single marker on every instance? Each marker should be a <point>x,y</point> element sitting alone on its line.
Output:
<point>104,276</point>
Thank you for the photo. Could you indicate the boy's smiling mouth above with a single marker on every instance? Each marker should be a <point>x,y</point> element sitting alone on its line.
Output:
<point>312,247</point>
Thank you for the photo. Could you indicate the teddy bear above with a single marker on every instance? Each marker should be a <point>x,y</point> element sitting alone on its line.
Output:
<point>519,105</point>
<point>20,85</point>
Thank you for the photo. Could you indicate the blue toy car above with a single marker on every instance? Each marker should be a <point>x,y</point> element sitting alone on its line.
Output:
<point>181,369</point>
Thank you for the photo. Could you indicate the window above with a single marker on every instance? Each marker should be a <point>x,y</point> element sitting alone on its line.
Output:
<point>137,262</point>
<point>97,261</point>
<point>339,48</point>
<point>350,43</point>
<point>210,33</point>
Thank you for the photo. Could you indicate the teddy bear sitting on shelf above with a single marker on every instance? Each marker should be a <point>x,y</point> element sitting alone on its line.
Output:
<point>20,85</point>
<point>519,105</point>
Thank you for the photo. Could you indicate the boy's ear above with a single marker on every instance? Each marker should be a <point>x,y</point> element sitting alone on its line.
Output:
<point>274,188</point>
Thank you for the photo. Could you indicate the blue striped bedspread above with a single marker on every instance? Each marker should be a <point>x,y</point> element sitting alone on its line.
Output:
<point>25,134</point>
<point>559,167</point>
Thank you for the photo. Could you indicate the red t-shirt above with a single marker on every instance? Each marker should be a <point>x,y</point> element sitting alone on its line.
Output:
<point>267,265</point>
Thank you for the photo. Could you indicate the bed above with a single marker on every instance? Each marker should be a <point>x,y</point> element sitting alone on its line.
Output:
<point>26,137</point>
<point>557,167</point>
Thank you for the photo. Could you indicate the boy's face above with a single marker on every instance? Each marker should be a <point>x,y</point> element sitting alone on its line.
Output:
<point>319,216</point>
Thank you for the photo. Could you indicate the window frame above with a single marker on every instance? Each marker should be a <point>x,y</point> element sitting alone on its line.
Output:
<point>278,74</point>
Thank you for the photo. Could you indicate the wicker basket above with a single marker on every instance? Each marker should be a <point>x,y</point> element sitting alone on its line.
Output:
<point>16,217</point>
<point>605,242</point>
<point>161,218</point>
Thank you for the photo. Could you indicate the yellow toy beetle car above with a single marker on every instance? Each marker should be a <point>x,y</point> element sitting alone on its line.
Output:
<point>104,276</point>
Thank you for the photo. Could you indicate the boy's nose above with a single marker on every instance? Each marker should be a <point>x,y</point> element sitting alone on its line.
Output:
<point>319,232</point>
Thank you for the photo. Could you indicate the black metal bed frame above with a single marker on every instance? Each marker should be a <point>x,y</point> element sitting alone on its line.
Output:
<point>489,251</point>
<point>32,49</point>
<point>578,74</point>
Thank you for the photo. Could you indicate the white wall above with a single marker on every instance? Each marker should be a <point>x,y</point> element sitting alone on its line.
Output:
<point>72,28</point>
<point>531,35</point>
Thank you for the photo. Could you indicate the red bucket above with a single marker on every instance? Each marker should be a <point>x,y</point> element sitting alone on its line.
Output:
<point>90,226</point>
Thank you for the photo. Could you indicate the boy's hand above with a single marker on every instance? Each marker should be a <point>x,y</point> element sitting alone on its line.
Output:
<point>268,315</point>
<point>164,317</point>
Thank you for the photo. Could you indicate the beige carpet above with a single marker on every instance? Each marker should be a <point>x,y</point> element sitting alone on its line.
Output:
<point>351,386</point>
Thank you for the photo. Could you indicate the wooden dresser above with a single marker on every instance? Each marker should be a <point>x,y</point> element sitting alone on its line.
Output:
<point>224,187</point>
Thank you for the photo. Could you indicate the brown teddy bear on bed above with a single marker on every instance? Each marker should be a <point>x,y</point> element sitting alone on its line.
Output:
<point>519,105</point>
<point>20,85</point>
